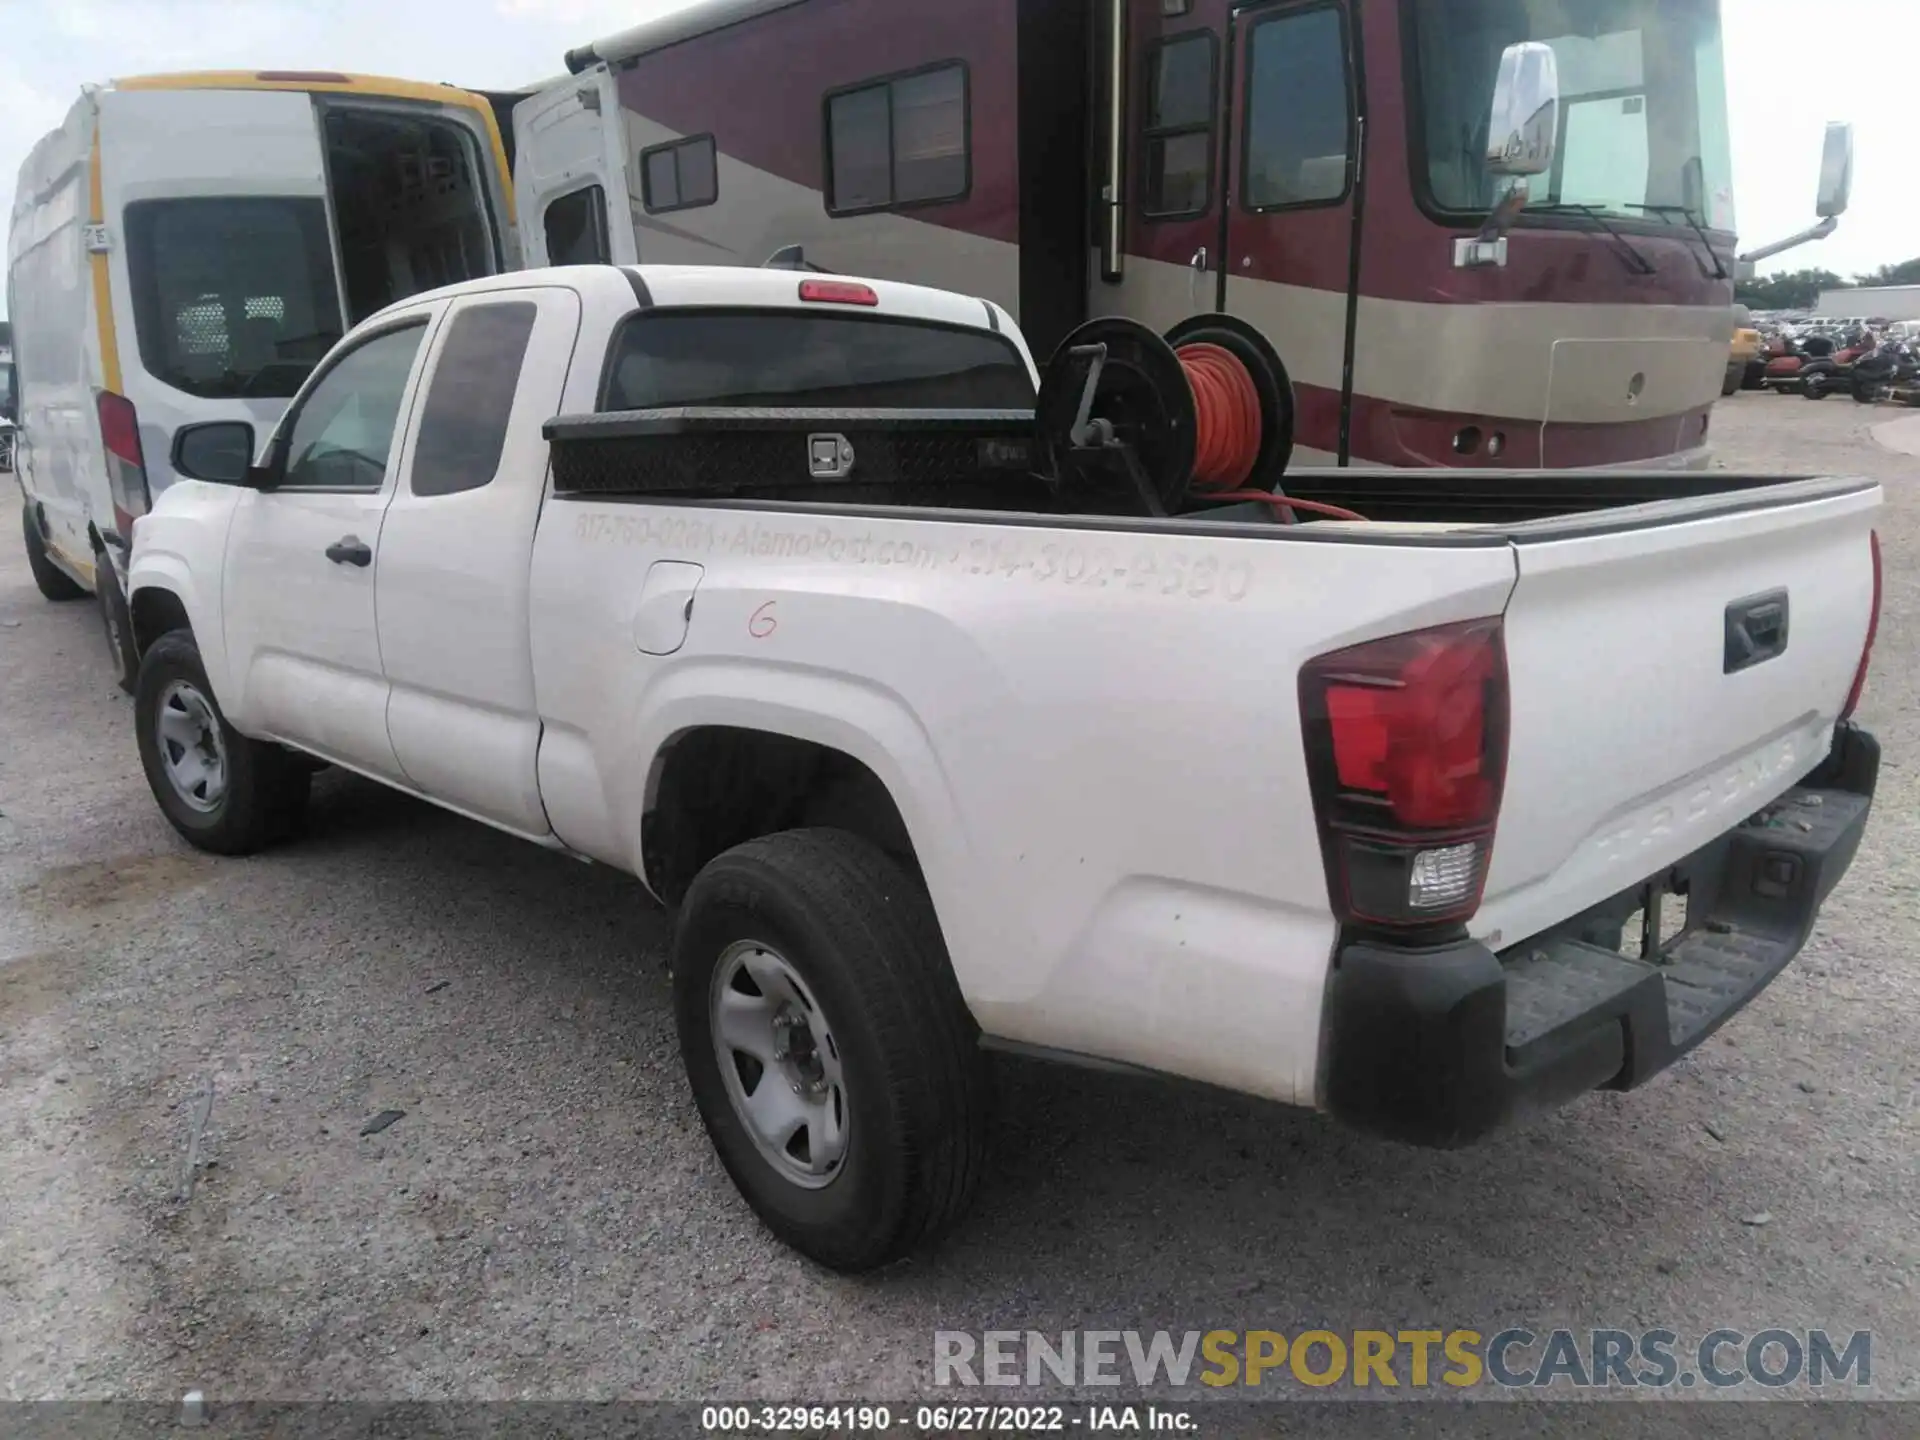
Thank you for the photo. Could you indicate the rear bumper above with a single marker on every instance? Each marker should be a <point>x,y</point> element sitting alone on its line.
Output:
<point>1441,1047</point>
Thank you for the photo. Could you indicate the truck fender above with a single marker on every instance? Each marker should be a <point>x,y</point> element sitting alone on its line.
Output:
<point>161,589</point>
<point>863,721</point>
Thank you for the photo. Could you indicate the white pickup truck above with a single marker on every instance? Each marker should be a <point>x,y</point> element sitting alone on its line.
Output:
<point>749,584</point>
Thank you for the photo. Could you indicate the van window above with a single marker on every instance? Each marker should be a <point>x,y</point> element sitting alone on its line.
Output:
<point>779,358</point>
<point>576,226</point>
<point>232,296</point>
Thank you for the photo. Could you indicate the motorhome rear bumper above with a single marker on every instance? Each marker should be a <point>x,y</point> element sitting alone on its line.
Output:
<point>1443,1046</point>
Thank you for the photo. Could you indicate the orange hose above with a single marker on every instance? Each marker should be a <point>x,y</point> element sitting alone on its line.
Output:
<point>1227,430</point>
<point>1227,408</point>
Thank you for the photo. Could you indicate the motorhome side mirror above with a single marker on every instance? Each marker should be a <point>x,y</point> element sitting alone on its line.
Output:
<point>1525,128</point>
<point>1836,172</point>
<point>219,452</point>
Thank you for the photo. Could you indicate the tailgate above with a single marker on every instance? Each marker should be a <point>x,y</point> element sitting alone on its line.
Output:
<point>1673,668</point>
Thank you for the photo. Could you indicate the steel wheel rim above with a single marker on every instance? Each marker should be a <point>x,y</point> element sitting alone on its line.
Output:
<point>193,751</point>
<point>780,1064</point>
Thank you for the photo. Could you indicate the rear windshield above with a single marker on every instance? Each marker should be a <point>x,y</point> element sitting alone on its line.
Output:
<point>783,358</point>
<point>232,296</point>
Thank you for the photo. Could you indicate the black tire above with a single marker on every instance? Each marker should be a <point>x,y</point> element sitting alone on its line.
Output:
<point>265,793</point>
<point>118,624</point>
<point>54,582</point>
<point>1865,394</point>
<point>1731,385</point>
<point>1814,387</point>
<point>861,933</point>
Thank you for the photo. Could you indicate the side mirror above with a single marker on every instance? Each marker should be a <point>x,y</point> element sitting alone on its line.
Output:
<point>1836,172</point>
<point>1525,129</point>
<point>219,452</point>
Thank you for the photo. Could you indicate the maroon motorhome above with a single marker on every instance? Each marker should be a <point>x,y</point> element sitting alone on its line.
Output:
<point>1317,167</point>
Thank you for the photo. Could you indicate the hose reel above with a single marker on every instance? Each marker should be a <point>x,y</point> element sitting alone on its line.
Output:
<point>1208,410</point>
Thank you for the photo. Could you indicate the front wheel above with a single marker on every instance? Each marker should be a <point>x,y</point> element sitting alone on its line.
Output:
<point>223,792</point>
<point>833,1061</point>
<point>1814,387</point>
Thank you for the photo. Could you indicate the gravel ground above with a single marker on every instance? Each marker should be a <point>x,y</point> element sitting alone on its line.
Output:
<point>547,1220</point>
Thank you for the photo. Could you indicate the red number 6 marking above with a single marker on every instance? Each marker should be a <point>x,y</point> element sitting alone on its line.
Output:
<point>763,622</point>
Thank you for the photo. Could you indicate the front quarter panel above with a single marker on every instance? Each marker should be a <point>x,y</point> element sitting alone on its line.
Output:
<point>180,546</point>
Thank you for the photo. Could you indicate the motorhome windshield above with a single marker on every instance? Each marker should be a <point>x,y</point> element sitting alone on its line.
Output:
<point>1643,104</point>
<point>233,296</point>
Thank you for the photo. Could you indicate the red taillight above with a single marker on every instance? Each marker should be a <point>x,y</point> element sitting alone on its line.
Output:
<point>126,463</point>
<point>120,428</point>
<point>1873,630</point>
<point>1407,747</point>
<point>838,292</point>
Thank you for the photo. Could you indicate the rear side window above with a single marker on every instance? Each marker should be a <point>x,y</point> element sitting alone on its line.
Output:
<point>901,141</point>
<point>679,176</point>
<point>232,296</point>
<point>786,359</point>
<point>463,425</point>
<point>576,228</point>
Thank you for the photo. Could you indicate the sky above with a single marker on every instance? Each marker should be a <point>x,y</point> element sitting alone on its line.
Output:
<point>1792,66</point>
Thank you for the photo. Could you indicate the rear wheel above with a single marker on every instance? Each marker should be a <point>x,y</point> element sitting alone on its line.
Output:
<point>54,582</point>
<point>834,1063</point>
<point>223,792</point>
<point>1815,387</point>
<point>1731,385</point>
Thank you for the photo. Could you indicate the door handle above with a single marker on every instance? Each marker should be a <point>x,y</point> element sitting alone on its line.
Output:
<point>350,550</point>
<point>1756,631</point>
<point>1199,268</point>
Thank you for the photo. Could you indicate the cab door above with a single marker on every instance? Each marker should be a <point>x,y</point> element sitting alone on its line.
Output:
<point>570,177</point>
<point>1294,131</point>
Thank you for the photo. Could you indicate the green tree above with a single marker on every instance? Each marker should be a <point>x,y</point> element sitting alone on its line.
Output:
<point>1796,291</point>
<point>1907,272</point>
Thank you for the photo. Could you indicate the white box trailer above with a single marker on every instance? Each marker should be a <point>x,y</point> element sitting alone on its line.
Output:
<point>1871,302</point>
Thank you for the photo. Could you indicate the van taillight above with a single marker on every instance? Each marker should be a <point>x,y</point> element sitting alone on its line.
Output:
<point>126,464</point>
<point>1873,630</point>
<point>1406,743</point>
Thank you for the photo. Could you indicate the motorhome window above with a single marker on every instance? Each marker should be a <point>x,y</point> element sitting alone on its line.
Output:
<point>1181,102</point>
<point>463,424</point>
<point>779,358</point>
<point>900,141</point>
<point>412,200</point>
<point>343,431</point>
<point>679,176</point>
<point>1299,112</point>
<point>232,296</point>
<point>576,228</point>
<point>1643,105</point>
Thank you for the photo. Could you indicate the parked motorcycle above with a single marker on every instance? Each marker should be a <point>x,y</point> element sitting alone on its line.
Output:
<point>1788,357</point>
<point>1889,372</point>
<point>1821,378</point>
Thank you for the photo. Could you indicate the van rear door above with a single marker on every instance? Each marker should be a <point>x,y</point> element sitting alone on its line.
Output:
<point>570,174</point>
<point>224,277</point>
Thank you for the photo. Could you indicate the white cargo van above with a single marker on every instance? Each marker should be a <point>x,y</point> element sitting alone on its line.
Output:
<point>186,247</point>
